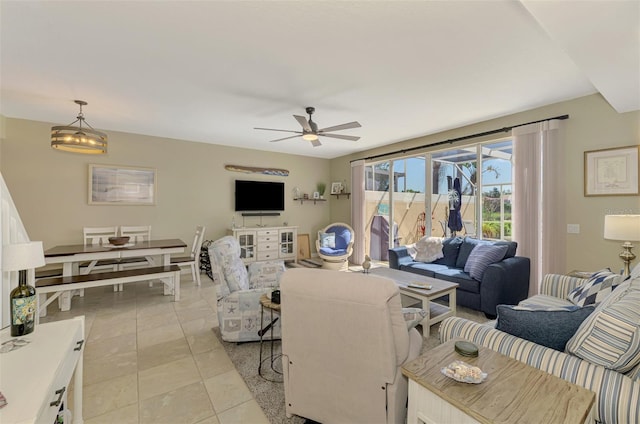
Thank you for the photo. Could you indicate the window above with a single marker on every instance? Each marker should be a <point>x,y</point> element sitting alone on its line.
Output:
<point>397,191</point>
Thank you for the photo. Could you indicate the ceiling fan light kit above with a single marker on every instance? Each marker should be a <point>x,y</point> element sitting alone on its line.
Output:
<point>79,139</point>
<point>310,131</point>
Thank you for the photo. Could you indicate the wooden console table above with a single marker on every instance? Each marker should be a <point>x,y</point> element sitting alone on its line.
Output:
<point>35,378</point>
<point>513,392</point>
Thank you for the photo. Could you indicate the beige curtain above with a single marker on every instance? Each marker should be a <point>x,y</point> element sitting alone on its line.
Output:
<point>358,210</point>
<point>539,221</point>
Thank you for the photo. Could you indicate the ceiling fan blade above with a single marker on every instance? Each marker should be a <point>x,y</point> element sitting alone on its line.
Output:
<point>349,125</point>
<point>303,121</point>
<point>286,138</point>
<point>273,129</point>
<point>316,143</point>
<point>340,136</point>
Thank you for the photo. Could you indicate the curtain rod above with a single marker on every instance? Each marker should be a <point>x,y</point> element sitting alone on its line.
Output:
<point>465,137</point>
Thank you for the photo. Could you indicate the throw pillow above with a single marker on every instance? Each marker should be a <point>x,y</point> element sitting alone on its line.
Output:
<point>549,327</point>
<point>599,286</point>
<point>611,335</point>
<point>328,240</point>
<point>634,374</point>
<point>413,316</point>
<point>450,249</point>
<point>428,249</point>
<point>481,257</point>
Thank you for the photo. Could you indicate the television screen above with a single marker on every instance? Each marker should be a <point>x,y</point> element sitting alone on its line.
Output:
<point>259,196</point>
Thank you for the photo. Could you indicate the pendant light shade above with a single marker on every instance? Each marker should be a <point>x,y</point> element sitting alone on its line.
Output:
<point>80,139</point>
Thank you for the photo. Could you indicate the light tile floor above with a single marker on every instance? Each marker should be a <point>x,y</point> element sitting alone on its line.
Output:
<point>149,359</point>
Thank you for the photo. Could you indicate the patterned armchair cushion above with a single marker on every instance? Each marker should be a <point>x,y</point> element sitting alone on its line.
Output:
<point>239,316</point>
<point>413,316</point>
<point>265,274</point>
<point>217,274</point>
<point>225,258</point>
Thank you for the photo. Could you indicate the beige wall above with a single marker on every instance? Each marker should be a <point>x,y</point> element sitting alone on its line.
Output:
<point>49,187</point>
<point>593,124</point>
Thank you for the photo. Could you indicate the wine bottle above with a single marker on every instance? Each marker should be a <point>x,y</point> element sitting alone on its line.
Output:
<point>23,307</point>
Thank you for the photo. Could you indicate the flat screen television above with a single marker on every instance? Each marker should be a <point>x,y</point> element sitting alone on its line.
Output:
<point>259,196</point>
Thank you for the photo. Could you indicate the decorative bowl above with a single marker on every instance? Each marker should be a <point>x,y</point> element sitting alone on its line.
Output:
<point>119,241</point>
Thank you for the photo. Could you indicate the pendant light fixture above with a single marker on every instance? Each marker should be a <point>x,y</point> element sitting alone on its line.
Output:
<point>79,139</point>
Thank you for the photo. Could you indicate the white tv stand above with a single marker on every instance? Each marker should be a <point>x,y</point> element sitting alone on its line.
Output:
<point>266,243</point>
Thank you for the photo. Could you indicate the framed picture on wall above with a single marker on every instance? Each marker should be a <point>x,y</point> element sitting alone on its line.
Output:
<point>121,185</point>
<point>612,172</point>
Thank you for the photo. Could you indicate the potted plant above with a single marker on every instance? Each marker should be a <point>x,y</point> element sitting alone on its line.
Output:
<point>321,187</point>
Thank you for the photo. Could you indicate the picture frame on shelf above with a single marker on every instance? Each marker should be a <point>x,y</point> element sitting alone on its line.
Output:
<point>612,172</point>
<point>316,195</point>
<point>336,188</point>
<point>121,185</point>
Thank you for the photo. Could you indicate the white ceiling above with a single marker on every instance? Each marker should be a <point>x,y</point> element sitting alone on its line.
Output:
<point>210,71</point>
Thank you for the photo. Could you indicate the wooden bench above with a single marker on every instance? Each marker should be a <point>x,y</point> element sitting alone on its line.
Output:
<point>170,276</point>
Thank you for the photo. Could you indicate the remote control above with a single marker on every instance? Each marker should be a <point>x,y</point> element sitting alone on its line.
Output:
<point>420,286</point>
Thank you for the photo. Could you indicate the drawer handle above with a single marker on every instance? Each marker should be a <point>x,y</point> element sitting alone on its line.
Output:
<point>60,393</point>
<point>79,345</point>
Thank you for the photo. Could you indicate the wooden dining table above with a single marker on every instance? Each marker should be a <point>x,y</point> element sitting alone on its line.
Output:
<point>71,256</point>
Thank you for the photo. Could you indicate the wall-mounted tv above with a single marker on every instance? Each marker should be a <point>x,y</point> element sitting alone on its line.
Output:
<point>259,196</point>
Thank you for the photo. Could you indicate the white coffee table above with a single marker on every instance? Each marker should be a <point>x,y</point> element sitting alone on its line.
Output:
<point>439,289</point>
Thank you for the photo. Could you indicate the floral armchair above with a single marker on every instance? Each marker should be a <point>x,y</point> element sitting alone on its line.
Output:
<point>239,291</point>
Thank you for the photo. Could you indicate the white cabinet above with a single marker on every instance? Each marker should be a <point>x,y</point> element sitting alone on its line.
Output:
<point>266,243</point>
<point>35,378</point>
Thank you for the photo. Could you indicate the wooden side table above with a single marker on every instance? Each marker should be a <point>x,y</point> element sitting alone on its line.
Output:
<point>266,302</point>
<point>513,392</point>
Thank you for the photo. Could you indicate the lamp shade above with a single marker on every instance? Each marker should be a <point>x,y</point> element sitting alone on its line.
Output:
<point>622,227</point>
<point>19,256</point>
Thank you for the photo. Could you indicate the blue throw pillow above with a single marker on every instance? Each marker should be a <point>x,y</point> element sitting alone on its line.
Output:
<point>481,257</point>
<point>450,248</point>
<point>550,328</point>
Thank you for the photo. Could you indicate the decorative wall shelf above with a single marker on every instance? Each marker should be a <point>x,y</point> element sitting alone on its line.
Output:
<point>302,200</point>
<point>341,194</point>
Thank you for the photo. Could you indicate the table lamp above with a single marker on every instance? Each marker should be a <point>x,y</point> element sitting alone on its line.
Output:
<point>21,257</point>
<point>624,228</point>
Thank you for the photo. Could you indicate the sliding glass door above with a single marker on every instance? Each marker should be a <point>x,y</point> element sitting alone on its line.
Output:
<point>470,195</point>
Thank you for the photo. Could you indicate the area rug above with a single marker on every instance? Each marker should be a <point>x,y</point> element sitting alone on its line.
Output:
<point>270,395</point>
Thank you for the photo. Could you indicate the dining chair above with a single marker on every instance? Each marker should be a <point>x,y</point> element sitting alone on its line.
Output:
<point>137,233</point>
<point>98,235</point>
<point>192,260</point>
<point>94,236</point>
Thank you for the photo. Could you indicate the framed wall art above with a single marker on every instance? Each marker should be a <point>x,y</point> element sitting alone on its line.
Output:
<point>336,188</point>
<point>612,172</point>
<point>121,185</point>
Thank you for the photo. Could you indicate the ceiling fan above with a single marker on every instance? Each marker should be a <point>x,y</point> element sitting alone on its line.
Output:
<point>311,132</point>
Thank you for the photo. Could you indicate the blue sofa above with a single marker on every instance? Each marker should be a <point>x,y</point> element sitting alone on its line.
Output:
<point>503,282</point>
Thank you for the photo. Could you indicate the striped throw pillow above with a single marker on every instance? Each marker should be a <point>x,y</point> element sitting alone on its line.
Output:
<point>481,257</point>
<point>611,335</point>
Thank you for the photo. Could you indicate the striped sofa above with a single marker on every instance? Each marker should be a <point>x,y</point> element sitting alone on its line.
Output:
<point>617,394</point>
